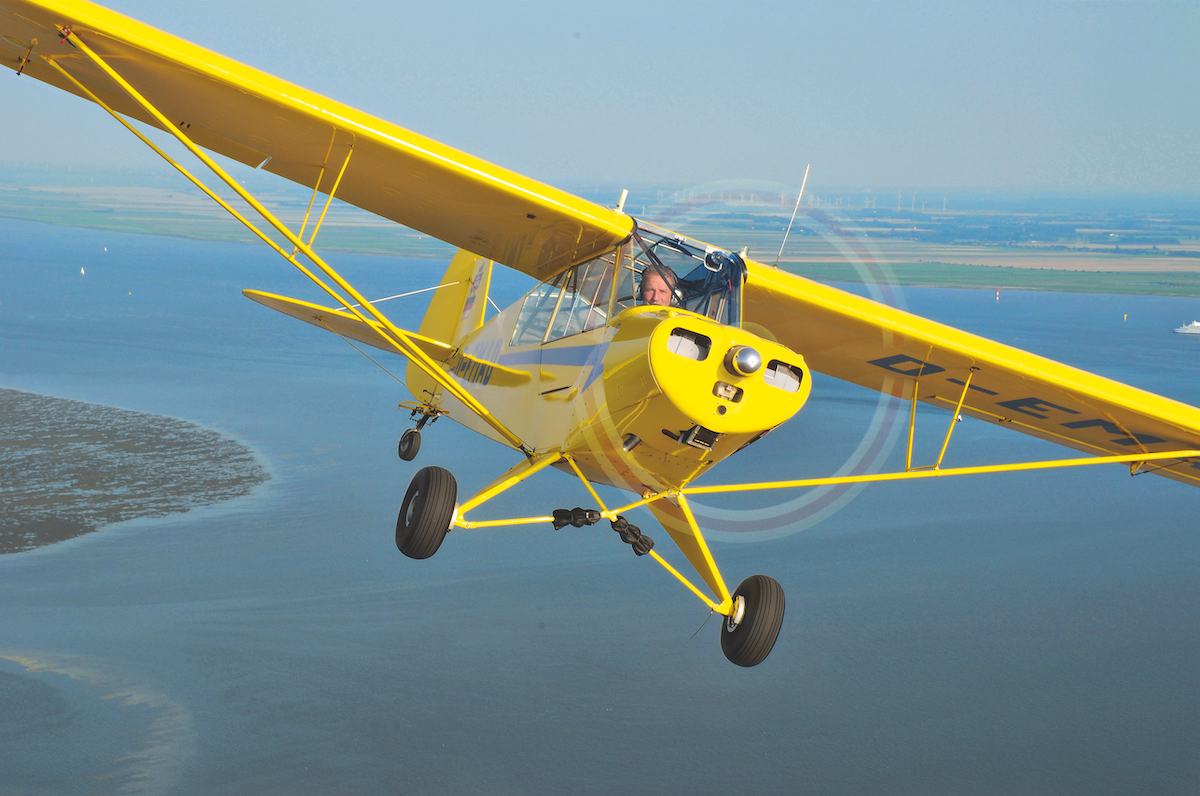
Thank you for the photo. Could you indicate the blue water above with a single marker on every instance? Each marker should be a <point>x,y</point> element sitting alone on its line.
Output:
<point>1014,634</point>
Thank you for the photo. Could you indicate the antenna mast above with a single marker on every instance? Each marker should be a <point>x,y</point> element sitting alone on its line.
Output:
<point>797,209</point>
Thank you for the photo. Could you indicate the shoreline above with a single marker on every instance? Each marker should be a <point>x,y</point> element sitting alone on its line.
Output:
<point>70,468</point>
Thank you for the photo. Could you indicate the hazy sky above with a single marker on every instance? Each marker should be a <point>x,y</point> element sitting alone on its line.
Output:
<point>1063,96</point>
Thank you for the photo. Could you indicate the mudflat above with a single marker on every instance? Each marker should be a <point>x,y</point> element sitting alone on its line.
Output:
<point>68,468</point>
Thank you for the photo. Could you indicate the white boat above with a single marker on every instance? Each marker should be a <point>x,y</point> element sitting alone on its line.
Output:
<point>1191,328</point>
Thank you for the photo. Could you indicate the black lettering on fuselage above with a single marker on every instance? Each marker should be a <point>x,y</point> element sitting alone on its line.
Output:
<point>473,371</point>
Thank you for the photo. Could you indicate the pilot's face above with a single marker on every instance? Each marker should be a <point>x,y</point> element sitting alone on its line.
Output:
<point>655,290</point>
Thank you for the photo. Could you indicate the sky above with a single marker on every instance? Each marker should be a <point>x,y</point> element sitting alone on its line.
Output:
<point>1065,97</point>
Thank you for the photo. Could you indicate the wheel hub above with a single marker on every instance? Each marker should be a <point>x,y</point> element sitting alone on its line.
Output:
<point>739,613</point>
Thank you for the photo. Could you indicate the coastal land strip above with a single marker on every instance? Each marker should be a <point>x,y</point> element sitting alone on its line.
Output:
<point>68,468</point>
<point>1057,249</point>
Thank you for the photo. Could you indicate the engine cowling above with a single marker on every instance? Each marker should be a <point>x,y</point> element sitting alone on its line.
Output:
<point>686,391</point>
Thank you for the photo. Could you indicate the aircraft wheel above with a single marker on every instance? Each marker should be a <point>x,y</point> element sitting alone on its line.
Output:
<point>427,512</point>
<point>410,443</point>
<point>749,640</point>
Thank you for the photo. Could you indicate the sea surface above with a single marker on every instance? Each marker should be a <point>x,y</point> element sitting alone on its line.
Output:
<point>1008,634</point>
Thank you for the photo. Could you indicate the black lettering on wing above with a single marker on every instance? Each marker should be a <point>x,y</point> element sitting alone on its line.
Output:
<point>1124,438</point>
<point>916,367</point>
<point>1034,407</point>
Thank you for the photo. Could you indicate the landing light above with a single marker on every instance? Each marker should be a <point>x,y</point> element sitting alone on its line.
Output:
<point>742,360</point>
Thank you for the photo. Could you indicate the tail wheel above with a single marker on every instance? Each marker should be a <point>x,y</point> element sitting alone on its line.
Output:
<point>749,634</point>
<point>427,512</point>
<point>410,443</point>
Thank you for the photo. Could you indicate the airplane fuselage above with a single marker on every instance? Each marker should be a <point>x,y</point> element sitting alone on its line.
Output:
<point>648,400</point>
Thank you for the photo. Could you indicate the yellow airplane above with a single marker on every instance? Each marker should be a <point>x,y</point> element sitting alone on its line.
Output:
<point>642,359</point>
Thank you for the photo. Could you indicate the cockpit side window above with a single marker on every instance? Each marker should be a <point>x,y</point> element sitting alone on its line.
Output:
<point>573,302</point>
<point>536,311</point>
<point>586,293</point>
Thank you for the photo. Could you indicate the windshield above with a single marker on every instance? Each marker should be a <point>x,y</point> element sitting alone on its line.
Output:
<point>666,269</point>
<point>653,268</point>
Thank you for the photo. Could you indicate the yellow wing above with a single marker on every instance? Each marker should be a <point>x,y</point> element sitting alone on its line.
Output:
<point>886,349</point>
<point>263,121</point>
<point>266,122</point>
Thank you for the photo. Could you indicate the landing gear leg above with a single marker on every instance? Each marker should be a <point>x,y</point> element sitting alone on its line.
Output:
<point>410,440</point>
<point>748,635</point>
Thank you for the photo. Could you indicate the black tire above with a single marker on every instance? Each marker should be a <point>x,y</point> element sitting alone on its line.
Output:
<point>426,513</point>
<point>410,443</point>
<point>747,643</point>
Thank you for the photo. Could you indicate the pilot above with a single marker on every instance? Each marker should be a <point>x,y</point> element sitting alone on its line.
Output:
<point>658,286</point>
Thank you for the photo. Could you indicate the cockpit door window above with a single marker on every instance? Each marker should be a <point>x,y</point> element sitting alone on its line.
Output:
<point>585,301</point>
<point>573,302</point>
<point>536,311</point>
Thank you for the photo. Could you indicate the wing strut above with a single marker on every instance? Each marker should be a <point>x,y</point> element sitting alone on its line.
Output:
<point>870,478</point>
<point>317,188</point>
<point>954,417</point>
<point>402,341</point>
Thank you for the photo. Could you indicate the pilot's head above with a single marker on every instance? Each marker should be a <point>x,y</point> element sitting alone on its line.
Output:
<point>658,286</point>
